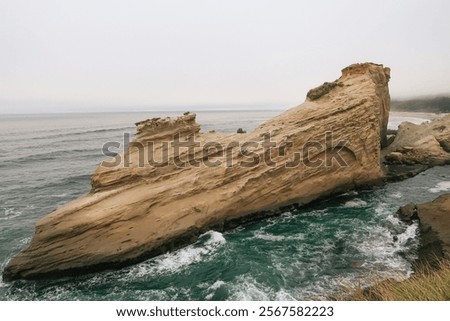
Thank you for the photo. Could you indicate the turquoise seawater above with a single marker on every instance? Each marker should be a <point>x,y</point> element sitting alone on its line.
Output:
<point>307,253</point>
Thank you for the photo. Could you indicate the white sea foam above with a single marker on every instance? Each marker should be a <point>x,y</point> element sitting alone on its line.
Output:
<point>215,238</point>
<point>212,289</point>
<point>410,233</point>
<point>382,209</point>
<point>275,238</point>
<point>25,241</point>
<point>191,254</point>
<point>10,213</point>
<point>59,195</point>
<point>246,288</point>
<point>396,195</point>
<point>350,193</point>
<point>269,237</point>
<point>355,203</point>
<point>382,253</point>
<point>441,187</point>
<point>283,295</point>
<point>216,285</point>
<point>295,237</point>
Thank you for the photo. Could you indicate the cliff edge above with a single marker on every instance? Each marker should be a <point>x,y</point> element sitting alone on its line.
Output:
<point>175,182</point>
<point>434,228</point>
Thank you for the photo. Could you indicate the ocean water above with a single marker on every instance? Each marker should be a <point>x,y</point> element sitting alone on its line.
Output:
<point>303,254</point>
<point>396,118</point>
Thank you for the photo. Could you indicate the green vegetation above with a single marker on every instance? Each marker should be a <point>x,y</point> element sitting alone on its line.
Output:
<point>430,285</point>
<point>429,105</point>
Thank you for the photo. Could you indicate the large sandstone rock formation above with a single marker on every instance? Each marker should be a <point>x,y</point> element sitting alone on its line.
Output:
<point>143,205</point>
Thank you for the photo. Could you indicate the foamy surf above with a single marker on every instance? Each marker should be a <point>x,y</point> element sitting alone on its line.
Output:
<point>382,252</point>
<point>355,203</point>
<point>213,288</point>
<point>396,195</point>
<point>25,241</point>
<point>269,237</point>
<point>275,238</point>
<point>303,254</point>
<point>203,249</point>
<point>10,213</point>
<point>246,288</point>
<point>441,187</point>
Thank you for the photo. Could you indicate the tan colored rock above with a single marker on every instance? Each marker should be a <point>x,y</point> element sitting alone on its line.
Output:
<point>395,157</point>
<point>141,210</point>
<point>156,129</point>
<point>426,144</point>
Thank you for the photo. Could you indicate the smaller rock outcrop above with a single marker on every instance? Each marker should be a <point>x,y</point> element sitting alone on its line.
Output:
<point>434,228</point>
<point>157,129</point>
<point>418,147</point>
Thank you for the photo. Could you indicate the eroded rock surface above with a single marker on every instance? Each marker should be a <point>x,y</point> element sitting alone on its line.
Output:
<point>426,144</point>
<point>150,200</point>
<point>434,226</point>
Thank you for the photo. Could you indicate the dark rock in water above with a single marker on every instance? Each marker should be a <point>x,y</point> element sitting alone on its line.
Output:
<point>434,228</point>
<point>394,229</point>
<point>241,131</point>
<point>415,214</point>
<point>399,172</point>
<point>339,246</point>
<point>408,212</point>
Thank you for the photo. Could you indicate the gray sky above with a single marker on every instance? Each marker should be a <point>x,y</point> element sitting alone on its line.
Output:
<point>105,55</point>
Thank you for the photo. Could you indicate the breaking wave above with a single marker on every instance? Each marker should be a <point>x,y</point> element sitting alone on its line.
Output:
<point>355,203</point>
<point>202,250</point>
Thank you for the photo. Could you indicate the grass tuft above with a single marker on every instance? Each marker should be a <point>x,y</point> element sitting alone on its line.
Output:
<point>428,285</point>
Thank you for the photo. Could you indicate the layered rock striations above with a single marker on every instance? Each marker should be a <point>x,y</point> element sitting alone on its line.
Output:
<point>175,182</point>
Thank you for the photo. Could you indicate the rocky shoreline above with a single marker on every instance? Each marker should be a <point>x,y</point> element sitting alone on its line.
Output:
<point>431,280</point>
<point>434,229</point>
<point>139,207</point>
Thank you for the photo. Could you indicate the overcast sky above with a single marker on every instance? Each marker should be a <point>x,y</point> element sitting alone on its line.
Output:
<point>105,55</point>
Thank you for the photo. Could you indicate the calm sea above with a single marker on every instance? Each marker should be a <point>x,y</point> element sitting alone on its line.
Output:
<point>47,160</point>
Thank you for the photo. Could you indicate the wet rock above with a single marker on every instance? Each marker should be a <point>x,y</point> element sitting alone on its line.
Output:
<point>434,228</point>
